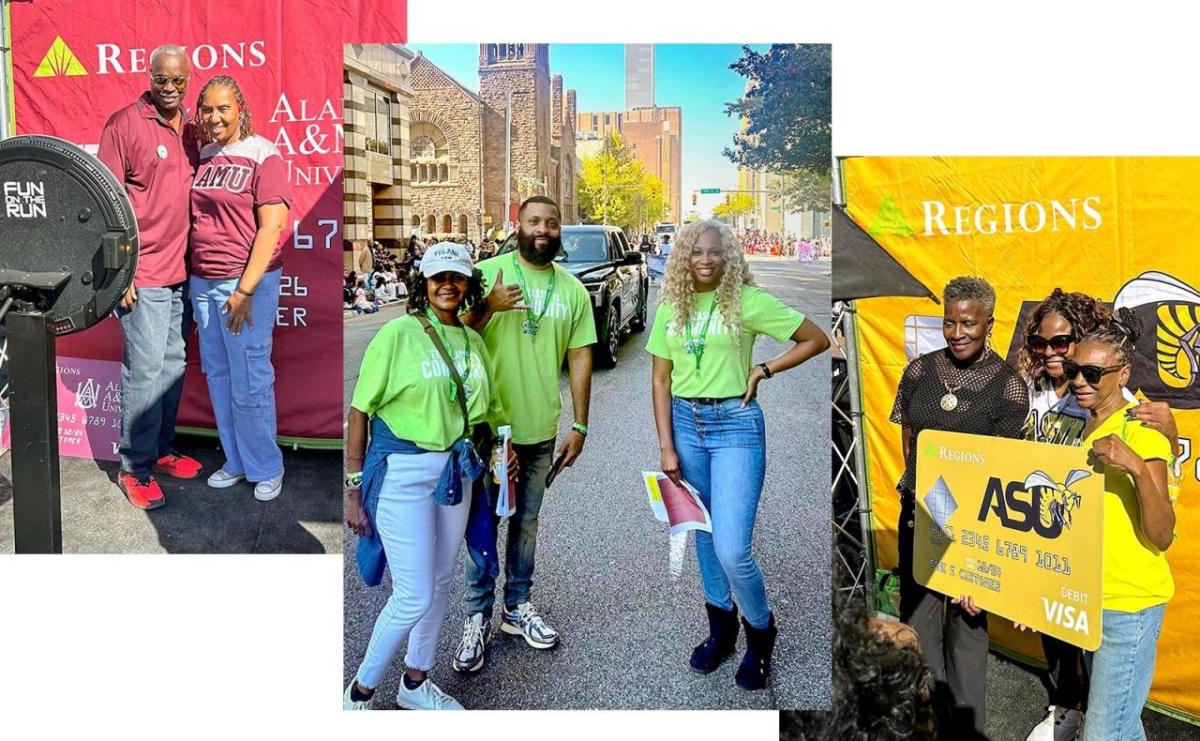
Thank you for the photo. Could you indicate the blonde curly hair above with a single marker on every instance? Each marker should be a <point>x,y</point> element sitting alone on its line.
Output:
<point>679,284</point>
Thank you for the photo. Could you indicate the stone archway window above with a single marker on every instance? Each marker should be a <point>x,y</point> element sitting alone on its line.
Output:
<point>429,153</point>
<point>430,224</point>
<point>447,226</point>
<point>416,222</point>
<point>462,224</point>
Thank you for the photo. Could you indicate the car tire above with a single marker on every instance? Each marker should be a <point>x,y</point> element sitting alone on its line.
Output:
<point>605,353</point>
<point>638,322</point>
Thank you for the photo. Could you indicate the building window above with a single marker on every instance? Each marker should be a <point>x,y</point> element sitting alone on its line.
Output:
<point>462,224</point>
<point>430,224</point>
<point>446,224</point>
<point>423,148</point>
<point>430,153</point>
<point>379,122</point>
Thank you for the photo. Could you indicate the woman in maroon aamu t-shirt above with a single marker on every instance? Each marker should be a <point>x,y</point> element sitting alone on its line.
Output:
<point>240,201</point>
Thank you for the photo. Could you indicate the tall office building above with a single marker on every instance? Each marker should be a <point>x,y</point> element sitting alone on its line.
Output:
<point>639,76</point>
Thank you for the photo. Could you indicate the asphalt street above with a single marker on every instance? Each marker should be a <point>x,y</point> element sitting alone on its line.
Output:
<point>602,568</point>
<point>96,518</point>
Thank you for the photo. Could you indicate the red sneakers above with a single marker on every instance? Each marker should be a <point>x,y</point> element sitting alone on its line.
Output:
<point>178,466</point>
<point>143,494</point>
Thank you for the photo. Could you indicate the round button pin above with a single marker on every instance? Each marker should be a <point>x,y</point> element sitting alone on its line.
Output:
<point>162,151</point>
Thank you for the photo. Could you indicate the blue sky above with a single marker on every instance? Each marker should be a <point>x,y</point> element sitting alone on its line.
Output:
<point>695,77</point>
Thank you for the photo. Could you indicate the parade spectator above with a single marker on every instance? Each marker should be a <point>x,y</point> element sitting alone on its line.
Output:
<point>529,326</point>
<point>151,147</point>
<point>965,387</point>
<point>410,499</point>
<point>240,202</point>
<point>362,303</point>
<point>711,429</point>
<point>1139,526</point>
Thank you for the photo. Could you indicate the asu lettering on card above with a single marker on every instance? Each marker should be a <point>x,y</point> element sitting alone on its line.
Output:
<point>1017,525</point>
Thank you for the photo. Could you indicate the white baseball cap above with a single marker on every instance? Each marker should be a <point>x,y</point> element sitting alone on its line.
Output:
<point>447,256</point>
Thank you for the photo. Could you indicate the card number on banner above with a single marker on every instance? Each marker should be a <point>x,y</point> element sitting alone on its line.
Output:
<point>302,241</point>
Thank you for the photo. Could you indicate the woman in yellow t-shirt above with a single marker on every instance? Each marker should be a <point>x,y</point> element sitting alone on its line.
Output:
<point>410,501</point>
<point>1139,524</point>
<point>711,429</point>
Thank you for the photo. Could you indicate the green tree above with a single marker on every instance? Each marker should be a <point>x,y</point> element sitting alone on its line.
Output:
<point>805,190</point>
<point>615,189</point>
<point>786,109</point>
<point>738,204</point>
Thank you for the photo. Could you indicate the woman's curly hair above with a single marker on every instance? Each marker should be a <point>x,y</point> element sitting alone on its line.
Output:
<point>1084,313</point>
<point>245,121</point>
<point>679,285</point>
<point>418,293</point>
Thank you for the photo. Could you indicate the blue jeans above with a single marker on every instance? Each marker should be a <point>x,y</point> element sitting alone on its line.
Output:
<point>722,452</point>
<point>1121,672</point>
<point>535,461</point>
<point>241,379</point>
<point>153,362</point>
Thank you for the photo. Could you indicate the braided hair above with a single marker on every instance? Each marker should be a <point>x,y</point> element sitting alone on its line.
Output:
<point>1121,335</point>
<point>245,120</point>
<point>1084,313</point>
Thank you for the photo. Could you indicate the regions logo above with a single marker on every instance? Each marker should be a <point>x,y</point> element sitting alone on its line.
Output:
<point>59,61</point>
<point>1168,364</point>
<point>1047,510</point>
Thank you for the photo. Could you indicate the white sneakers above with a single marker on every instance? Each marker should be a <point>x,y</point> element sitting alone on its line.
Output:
<point>222,479</point>
<point>472,650</point>
<point>527,623</point>
<point>264,491</point>
<point>427,696</point>
<point>1060,724</point>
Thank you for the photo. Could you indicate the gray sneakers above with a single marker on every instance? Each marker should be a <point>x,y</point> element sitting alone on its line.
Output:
<point>472,649</point>
<point>525,622</point>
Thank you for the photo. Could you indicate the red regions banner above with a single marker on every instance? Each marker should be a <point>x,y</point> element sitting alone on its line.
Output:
<point>75,62</point>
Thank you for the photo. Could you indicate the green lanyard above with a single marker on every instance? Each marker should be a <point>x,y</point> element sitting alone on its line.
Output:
<point>464,372</point>
<point>695,347</point>
<point>532,324</point>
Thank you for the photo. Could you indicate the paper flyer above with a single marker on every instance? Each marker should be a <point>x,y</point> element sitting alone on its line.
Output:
<point>506,499</point>
<point>679,506</point>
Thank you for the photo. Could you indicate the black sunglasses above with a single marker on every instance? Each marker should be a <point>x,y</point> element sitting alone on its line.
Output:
<point>1059,344</point>
<point>1091,373</point>
<point>161,80</point>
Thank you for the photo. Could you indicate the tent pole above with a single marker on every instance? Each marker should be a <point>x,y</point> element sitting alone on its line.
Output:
<point>856,413</point>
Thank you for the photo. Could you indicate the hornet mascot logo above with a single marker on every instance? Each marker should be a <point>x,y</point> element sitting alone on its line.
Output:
<point>1058,501</point>
<point>1172,307</point>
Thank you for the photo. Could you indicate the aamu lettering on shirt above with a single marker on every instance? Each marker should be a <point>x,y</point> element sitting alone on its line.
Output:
<point>230,184</point>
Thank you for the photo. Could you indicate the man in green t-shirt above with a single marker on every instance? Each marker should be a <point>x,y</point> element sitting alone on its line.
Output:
<point>537,313</point>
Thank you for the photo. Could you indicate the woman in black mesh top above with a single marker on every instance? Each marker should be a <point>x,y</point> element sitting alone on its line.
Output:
<point>966,387</point>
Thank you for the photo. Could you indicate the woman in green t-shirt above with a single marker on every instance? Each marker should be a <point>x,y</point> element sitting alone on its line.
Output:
<point>1139,525</point>
<point>710,428</point>
<point>410,500</point>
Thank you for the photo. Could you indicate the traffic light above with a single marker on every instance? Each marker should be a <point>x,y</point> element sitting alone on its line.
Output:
<point>693,198</point>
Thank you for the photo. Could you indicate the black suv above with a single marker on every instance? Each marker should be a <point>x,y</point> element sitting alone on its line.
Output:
<point>616,278</point>
<point>615,275</point>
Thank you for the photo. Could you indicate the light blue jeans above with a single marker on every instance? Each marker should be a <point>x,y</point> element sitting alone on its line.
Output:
<point>153,361</point>
<point>1121,672</point>
<point>722,452</point>
<point>241,379</point>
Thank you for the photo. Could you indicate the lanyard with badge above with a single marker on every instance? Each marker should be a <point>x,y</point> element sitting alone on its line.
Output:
<point>465,371</point>
<point>695,346</point>
<point>532,324</point>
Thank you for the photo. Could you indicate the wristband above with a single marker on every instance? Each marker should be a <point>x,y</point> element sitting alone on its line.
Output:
<point>581,428</point>
<point>244,293</point>
<point>354,480</point>
<point>766,371</point>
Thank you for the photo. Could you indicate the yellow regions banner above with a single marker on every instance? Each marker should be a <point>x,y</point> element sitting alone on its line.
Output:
<point>1016,525</point>
<point>1121,229</point>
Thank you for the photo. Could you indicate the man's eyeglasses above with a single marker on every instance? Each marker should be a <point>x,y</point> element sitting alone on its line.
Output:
<point>1091,373</point>
<point>1059,344</point>
<point>161,80</point>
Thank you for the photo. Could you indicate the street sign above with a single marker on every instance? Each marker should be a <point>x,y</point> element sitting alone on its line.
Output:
<point>710,190</point>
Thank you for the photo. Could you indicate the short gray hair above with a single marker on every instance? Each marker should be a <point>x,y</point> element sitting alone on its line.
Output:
<point>169,50</point>
<point>970,288</point>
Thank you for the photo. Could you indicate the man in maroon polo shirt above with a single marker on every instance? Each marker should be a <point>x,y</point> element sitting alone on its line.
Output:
<point>151,146</point>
